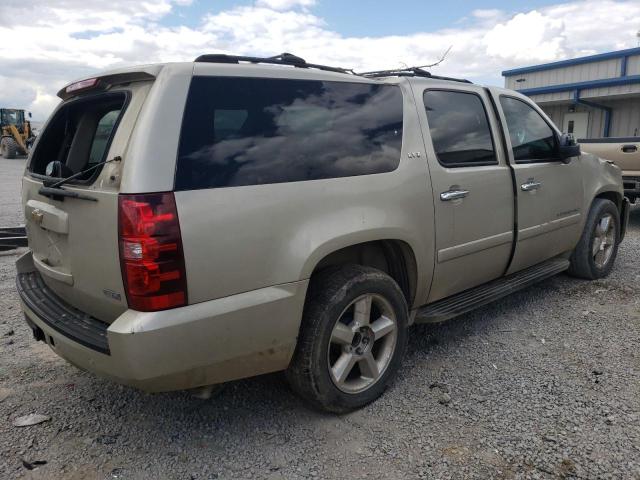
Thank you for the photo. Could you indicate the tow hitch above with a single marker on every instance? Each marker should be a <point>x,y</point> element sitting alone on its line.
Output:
<point>12,237</point>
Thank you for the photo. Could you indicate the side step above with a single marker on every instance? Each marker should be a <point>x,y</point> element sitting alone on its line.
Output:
<point>476,297</point>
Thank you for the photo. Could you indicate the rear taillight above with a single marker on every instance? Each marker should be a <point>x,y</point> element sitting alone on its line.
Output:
<point>151,254</point>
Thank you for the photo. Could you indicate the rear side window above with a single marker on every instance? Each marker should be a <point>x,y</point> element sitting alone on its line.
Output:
<point>79,134</point>
<point>459,128</point>
<point>532,139</point>
<point>102,135</point>
<point>251,131</point>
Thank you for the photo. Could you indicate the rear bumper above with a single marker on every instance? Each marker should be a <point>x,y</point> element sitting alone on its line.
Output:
<point>206,343</point>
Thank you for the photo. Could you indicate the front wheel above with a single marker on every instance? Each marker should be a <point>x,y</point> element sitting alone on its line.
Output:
<point>8,148</point>
<point>352,339</point>
<point>597,249</point>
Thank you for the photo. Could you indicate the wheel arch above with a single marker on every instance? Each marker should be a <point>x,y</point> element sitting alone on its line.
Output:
<point>393,256</point>
<point>618,199</point>
<point>615,197</point>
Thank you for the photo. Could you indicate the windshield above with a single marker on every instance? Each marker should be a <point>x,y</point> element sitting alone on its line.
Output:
<point>12,117</point>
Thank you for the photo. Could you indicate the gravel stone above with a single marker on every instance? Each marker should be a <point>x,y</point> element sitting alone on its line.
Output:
<point>568,408</point>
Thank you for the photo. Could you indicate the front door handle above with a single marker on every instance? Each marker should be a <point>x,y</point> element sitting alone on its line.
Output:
<point>530,185</point>
<point>629,148</point>
<point>453,195</point>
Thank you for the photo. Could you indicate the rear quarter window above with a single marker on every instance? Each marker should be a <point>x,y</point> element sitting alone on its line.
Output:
<point>251,131</point>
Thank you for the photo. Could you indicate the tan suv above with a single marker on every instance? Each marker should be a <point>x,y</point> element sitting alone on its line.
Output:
<point>195,223</point>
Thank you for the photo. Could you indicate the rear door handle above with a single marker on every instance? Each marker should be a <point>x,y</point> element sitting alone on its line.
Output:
<point>453,195</point>
<point>530,185</point>
<point>629,148</point>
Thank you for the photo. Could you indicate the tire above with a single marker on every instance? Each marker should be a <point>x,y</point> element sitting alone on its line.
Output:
<point>597,249</point>
<point>346,358</point>
<point>9,148</point>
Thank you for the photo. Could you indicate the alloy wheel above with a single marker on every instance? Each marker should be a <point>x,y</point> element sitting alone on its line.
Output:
<point>362,343</point>
<point>604,240</point>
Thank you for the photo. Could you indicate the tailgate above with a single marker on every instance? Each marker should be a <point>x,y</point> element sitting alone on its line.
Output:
<point>74,241</point>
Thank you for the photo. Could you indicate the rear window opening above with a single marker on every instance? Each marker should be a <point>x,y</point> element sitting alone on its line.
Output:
<point>79,135</point>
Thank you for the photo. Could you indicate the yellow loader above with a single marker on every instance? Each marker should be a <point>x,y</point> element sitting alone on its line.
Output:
<point>16,136</point>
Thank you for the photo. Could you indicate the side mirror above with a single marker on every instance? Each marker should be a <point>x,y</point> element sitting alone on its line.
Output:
<point>29,114</point>
<point>567,148</point>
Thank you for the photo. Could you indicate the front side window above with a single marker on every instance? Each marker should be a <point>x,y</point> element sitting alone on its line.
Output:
<point>532,139</point>
<point>252,131</point>
<point>459,128</point>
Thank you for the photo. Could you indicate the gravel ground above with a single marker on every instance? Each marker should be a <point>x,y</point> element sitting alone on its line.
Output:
<point>544,384</point>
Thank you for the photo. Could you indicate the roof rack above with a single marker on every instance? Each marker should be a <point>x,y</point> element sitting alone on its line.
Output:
<point>410,72</point>
<point>282,59</point>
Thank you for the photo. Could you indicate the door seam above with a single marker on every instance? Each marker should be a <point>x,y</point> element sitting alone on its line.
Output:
<point>507,156</point>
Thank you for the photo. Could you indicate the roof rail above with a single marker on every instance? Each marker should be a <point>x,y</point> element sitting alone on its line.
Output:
<point>282,59</point>
<point>410,72</point>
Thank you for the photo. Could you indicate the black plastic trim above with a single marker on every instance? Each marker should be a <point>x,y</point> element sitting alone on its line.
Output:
<point>282,59</point>
<point>59,315</point>
<point>473,298</point>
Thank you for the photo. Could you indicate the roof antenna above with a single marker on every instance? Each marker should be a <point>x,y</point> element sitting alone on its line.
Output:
<point>442,59</point>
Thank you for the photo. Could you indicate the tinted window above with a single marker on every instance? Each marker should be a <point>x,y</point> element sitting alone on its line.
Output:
<point>102,136</point>
<point>249,131</point>
<point>531,137</point>
<point>459,128</point>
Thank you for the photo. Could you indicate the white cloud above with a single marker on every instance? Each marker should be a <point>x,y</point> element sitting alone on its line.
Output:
<point>491,13</point>
<point>63,40</point>
<point>285,4</point>
<point>527,36</point>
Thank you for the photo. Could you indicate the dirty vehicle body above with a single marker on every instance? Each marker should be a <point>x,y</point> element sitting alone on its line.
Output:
<point>625,153</point>
<point>16,136</point>
<point>254,218</point>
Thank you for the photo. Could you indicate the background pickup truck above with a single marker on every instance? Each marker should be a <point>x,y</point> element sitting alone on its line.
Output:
<point>625,153</point>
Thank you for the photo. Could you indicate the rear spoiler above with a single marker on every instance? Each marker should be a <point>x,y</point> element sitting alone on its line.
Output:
<point>105,81</point>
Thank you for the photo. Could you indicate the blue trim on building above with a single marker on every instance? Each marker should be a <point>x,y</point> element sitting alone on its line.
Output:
<point>607,111</point>
<point>573,61</point>
<point>605,82</point>
<point>623,66</point>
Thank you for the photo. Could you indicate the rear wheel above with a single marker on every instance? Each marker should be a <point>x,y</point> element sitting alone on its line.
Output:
<point>597,249</point>
<point>352,338</point>
<point>9,147</point>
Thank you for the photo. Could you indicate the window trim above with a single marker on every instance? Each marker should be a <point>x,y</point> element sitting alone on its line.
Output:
<point>506,127</point>
<point>491,132</point>
<point>86,98</point>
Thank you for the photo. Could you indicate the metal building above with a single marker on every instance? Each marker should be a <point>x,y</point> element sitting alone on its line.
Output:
<point>591,97</point>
